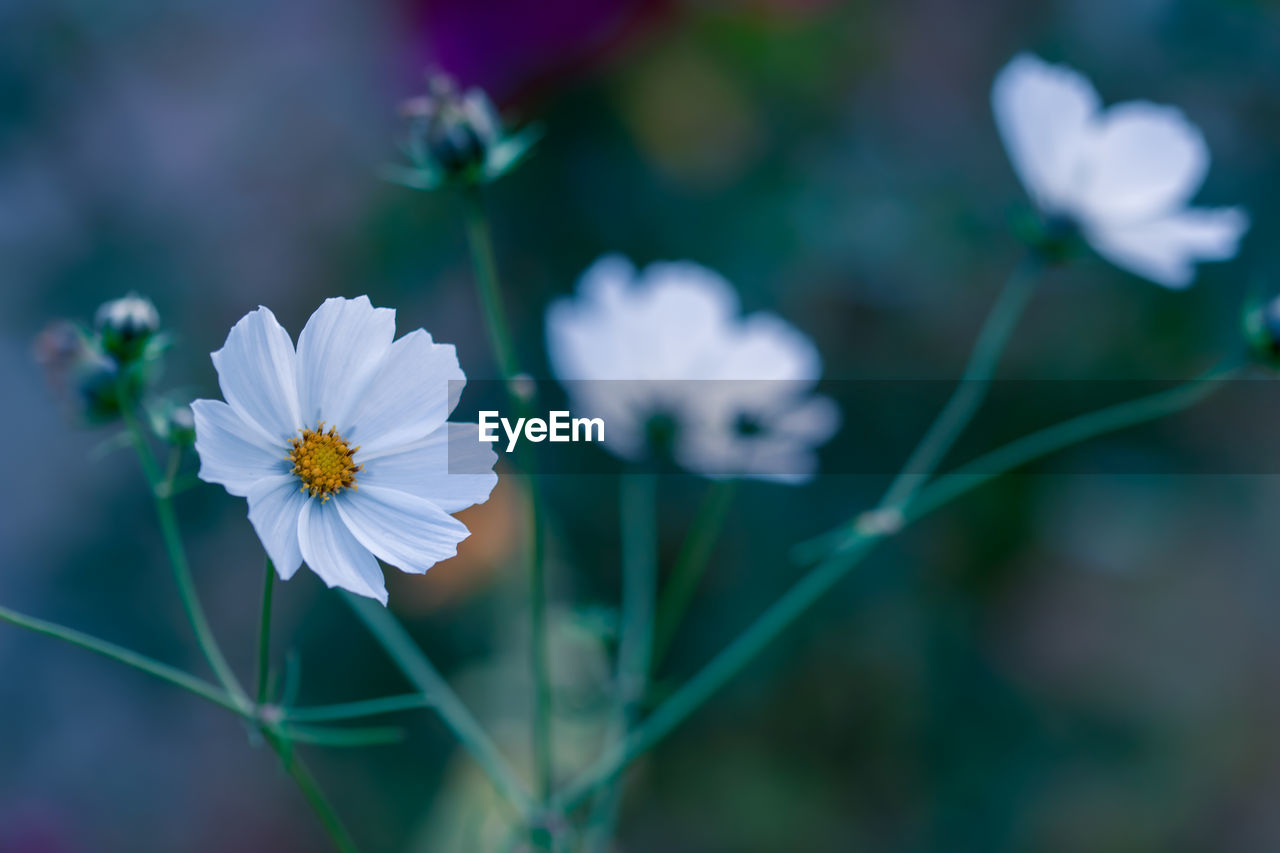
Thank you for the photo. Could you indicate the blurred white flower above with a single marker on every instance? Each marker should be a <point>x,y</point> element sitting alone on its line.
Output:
<point>1124,175</point>
<point>665,354</point>
<point>342,447</point>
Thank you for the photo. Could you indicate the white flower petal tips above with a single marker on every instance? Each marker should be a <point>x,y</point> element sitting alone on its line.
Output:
<point>665,350</point>
<point>1123,175</point>
<point>342,447</point>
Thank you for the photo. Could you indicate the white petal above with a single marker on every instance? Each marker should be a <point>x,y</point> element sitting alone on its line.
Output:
<point>1165,250</point>
<point>626,406</point>
<point>451,468</point>
<point>340,350</point>
<point>728,455</point>
<point>406,531</point>
<point>256,373</point>
<point>581,343</point>
<point>682,289</point>
<point>233,452</point>
<point>813,421</point>
<point>683,313</point>
<point>766,347</point>
<point>781,461</point>
<point>335,555</point>
<point>1140,160</point>
<point>656,327</point>
<point>1042,112</point>
<point>274,507</point>
<point>791,426</point>
<point>410,397</point>
<point>608,281</point>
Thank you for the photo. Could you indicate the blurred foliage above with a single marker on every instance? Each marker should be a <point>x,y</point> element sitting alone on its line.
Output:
<point>1062,663</point>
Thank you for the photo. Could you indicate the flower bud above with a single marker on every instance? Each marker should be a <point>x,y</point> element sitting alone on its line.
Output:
<point>450,130</point>
<point>456,137</point>
<point>125,325</point>
<point>1262,330</point>
<point>178,426</point>
<point>96,380</point>
<point>85,377</point>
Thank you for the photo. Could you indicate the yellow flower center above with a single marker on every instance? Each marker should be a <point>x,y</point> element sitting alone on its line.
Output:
<point>322,461</point>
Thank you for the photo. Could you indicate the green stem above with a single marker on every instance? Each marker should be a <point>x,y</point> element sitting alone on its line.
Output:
<point>264,632</point>
<point>162,491</point>
<point>355,710</point>
<point>690,565</point>
<point>1070,432</point>
<point>341,737</point>
<point>211,693</point>
<point>436,692</point>
<point>480,241</point>
<point>638,503</point>
<point>972,389</point>
<point>857,545</point>
<point>178,558</point>
<point>172,675</point>
<point>191,600</point>
<point>171,470</point>
<point>540,651</point>
<point>310,789</point>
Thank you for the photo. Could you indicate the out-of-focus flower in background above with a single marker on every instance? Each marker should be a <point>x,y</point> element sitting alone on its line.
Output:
<point>1123,176</point>
<point>664,357</point>
<point>377,482</point>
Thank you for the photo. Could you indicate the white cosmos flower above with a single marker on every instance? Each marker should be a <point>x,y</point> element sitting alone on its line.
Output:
<point>1124,175</point>
<point>343,447</point>
<point>670,343</point>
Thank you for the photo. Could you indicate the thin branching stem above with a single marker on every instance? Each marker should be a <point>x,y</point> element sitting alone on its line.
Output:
<point>690,564</point>
<point>358,709</point>
<point>177,555</point>
<point>163,671</point>
<point>857,543</point>
<point>312,792</point>
<point>483,258</point>
<point>637,505</point>
<point>974,382</point>
<point>436,693</point>
<point>264,632</point>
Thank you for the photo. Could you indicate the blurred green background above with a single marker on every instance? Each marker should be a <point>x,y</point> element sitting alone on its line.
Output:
<point>1061,663</point>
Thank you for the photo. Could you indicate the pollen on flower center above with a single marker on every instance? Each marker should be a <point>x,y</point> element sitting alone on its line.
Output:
<point>322,461</point>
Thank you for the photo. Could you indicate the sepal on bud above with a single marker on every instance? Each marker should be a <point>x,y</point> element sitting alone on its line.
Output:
<point>1054,239</point>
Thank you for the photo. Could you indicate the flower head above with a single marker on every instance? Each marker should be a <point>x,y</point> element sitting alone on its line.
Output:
<point>1123,176</point>
<point>456,137</point>
<point>126,324</point>
<point>664,357</point>
<point>342,446</point>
